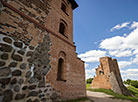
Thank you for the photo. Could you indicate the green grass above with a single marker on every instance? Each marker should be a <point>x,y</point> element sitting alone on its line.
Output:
<point>133,90</point>
<point>77,100</point>
<point>87,86</point>
<point>119,96</point>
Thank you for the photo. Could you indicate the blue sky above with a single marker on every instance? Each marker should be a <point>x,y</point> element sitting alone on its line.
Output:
<point>107,28</point>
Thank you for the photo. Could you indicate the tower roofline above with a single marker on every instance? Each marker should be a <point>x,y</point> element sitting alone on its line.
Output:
<point>74,4</point>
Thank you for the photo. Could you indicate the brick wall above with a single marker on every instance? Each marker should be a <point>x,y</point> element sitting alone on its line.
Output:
<point>74,72</point>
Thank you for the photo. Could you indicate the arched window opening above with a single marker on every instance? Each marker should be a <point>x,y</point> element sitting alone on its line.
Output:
<point>101,72</point>
<point>60,69</point>
<point>63,7</point>
<point>62,28</point>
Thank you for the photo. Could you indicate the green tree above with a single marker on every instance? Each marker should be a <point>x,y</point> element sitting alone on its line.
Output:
<point>131,82</point>
<point>128,81</point>
<point>89,81</point>
<point>134,83</point>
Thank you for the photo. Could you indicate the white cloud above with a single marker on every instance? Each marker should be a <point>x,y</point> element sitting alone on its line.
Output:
<point>135,60</point>
<point>112,43</point>
<point>130,74</point>
<point>122,46</point>
<point>86,65</point>
<point>92,55</point>
<point>89,73</point>
<point>123,64</point>
<point>135,51</point>
<point>135,24</point>
<point>121,53</point>
<point>119,26</point>
<point>132,39</point>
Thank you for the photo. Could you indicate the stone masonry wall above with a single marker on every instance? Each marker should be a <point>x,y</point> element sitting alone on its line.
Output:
<point>24,57</point>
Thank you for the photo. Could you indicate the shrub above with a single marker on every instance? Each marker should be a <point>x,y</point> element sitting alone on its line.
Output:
<point>134,83</point>
<point>89,81</point>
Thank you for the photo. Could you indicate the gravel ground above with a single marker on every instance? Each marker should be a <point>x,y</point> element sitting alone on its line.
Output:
<point>102,97</point>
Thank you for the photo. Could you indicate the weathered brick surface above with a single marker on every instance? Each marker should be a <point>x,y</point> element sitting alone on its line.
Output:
<point>108,76</point>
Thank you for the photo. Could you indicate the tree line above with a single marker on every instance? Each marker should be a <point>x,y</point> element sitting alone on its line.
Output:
<point>131,82</point>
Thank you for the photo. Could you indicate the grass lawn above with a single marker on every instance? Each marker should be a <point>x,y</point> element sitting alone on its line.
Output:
<point>119,96</point>
<point>87,86</point>
<point>133,90</point>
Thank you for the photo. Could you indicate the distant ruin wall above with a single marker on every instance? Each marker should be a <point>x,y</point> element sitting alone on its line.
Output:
<point>24,57</point>
<point>108,76</point>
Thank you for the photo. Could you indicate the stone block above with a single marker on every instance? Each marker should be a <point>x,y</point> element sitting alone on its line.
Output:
<point>32,93</point>
<point>18,44</point>
<point>17,73</point>
<point>5,81</point>
<point>17,57</point>
<point>28,74</point>
<point>32,87</point>
<point>7,39</point>
<point>19,96</point>
<point>13,81</point>
<point>5,72</point>
<point>16,88</point>
<point>21,81</point>
<point>23,66</point>
<point>22,52</point>
<point>5,47</point>
<point>2,63</point>
<point>8,95</point>
<point>4,56</point>
<point>13,64</point>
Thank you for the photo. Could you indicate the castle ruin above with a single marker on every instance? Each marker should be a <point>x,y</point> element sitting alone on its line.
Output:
<point>108,76</point>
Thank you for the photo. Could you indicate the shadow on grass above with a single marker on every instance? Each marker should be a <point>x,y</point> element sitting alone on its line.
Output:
<point>84,99</point>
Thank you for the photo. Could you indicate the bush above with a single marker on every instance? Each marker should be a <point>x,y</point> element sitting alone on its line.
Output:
<point>128,81</point>
<point>89,81</point>
<point>134,83</point>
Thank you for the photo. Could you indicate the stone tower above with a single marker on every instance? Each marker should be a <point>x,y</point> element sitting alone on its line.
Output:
<point>37,53</point>
<point>108,76</point>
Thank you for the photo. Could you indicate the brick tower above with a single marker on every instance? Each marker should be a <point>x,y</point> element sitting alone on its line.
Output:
<point>67,73</point>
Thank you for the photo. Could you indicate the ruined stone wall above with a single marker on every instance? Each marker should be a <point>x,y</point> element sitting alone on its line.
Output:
<point>116,80</point>
<point>101,82</point>
<point>24,57</point>
<point>109,77</point>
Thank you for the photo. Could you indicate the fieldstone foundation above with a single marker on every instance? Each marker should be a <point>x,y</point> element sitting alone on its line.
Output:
<point>22,75</point>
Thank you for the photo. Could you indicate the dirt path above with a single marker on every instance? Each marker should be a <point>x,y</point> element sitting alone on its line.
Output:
<point>102,97</point>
